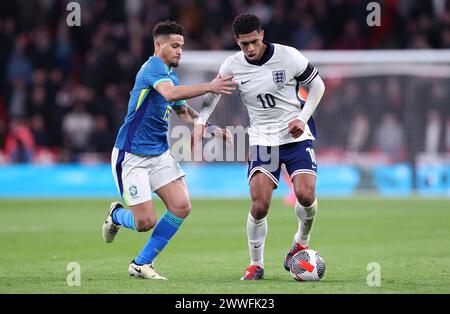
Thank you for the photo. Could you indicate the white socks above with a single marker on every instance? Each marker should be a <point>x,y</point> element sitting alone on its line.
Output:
<point>256,233</point>
<point>305,222</point>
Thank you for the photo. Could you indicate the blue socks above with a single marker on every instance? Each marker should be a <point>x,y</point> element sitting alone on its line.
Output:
<point>165,229</point>
<point>167,226</point>
<point>124,217</point>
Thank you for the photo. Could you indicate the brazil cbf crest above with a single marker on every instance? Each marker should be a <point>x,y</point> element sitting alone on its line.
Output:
<point>133,191</point>
<point>279,77</point>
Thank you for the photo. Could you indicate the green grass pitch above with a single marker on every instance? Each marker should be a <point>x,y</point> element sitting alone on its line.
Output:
<point>409,238</point>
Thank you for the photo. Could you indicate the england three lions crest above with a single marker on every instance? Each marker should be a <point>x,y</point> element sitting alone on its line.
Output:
<point>279,77</point>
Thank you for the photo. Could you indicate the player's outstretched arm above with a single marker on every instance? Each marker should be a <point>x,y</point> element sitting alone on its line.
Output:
<point>209,104</point>
<point>220,85</point>
<point>316,91</point>
<point>189,115</point>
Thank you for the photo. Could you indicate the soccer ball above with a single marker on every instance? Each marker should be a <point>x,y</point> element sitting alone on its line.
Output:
<point>307,265</point>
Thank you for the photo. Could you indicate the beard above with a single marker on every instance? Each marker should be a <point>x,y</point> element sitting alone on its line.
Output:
<point>174,64</point>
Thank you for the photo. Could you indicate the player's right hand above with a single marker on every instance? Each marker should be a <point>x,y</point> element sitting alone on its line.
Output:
<point>296,128</point>
<point>223,85</point>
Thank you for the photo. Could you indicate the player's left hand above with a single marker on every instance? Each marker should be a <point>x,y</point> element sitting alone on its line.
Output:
<point>296,128</point>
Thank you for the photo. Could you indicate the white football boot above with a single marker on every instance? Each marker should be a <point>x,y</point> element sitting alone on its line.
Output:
<point>146,271</point>
<point>109,228</point>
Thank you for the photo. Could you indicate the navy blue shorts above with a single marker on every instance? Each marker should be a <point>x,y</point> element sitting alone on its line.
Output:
<point>298,157</point>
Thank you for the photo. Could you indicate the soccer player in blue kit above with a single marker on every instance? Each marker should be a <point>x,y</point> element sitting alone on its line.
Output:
<point>141,159</point>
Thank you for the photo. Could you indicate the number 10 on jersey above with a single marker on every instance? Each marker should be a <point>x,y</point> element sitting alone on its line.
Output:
<point>268,101</point>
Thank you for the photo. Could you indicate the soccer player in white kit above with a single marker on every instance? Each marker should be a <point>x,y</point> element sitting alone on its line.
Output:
<point>281,130</point>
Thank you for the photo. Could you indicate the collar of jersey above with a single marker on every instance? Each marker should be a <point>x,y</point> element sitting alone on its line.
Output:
<point>266,56</point>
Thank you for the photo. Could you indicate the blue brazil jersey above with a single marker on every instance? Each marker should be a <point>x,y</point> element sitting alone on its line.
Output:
<point>144,131</point>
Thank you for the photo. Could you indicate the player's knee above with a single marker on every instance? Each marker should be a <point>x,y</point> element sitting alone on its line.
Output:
<point>181,209</point>
<point>145,224</point>
<point>260,208</point>
<point>306,196</point>
<point>185,210</point>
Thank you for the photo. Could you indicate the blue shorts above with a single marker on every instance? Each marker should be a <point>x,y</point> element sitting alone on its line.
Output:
<point>298,157</point>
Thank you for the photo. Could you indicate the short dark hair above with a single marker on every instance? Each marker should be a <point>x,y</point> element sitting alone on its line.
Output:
<point>246,23</point>
<point>167,28</point>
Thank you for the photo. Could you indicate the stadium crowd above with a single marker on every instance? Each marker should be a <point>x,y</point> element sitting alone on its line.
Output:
<point>64,90</point>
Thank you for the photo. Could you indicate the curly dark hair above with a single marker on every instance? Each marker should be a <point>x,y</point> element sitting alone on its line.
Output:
<point>168,28</point>
<point>246,23</point>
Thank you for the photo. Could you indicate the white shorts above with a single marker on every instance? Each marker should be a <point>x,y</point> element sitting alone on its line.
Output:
<point>137,176</point>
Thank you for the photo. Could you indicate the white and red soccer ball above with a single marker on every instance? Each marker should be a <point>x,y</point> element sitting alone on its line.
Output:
<point>307,265</point>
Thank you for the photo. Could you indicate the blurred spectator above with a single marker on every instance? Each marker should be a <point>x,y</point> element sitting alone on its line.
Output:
<point>20,145</point>
<point>40,135</point>
<point>38,102</point>
<point>190,17</point>
<point>211,10</point>
<point>41,50</point>
<point>113,105</point>
<point>306,36</point>
<point>275,30</point>
<point>373,97</point>
<point>19,65</point>
<point>101,140</point>
<point>77,127</point>
<point>420,42</point>
<point>389,137</point>
<point>395,100</point>
<point>261,9</point>
<point>359,133</point>
<point>63,50</point>
<point>350,38</point>
<point>447,136</point>
<point>3,122</point>
<point>433,132</point>
<point>445,38</point>
<point>17,102</point>
<point>440,94</point>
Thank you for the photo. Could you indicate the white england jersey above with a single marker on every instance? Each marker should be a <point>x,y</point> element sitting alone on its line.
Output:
<point>269,90</point>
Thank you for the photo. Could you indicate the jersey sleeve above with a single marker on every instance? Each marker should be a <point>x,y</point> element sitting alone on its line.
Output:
<point>156,72</point>
<point>180,103</point>
<point>304,71</point>
<point>225,68</point>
